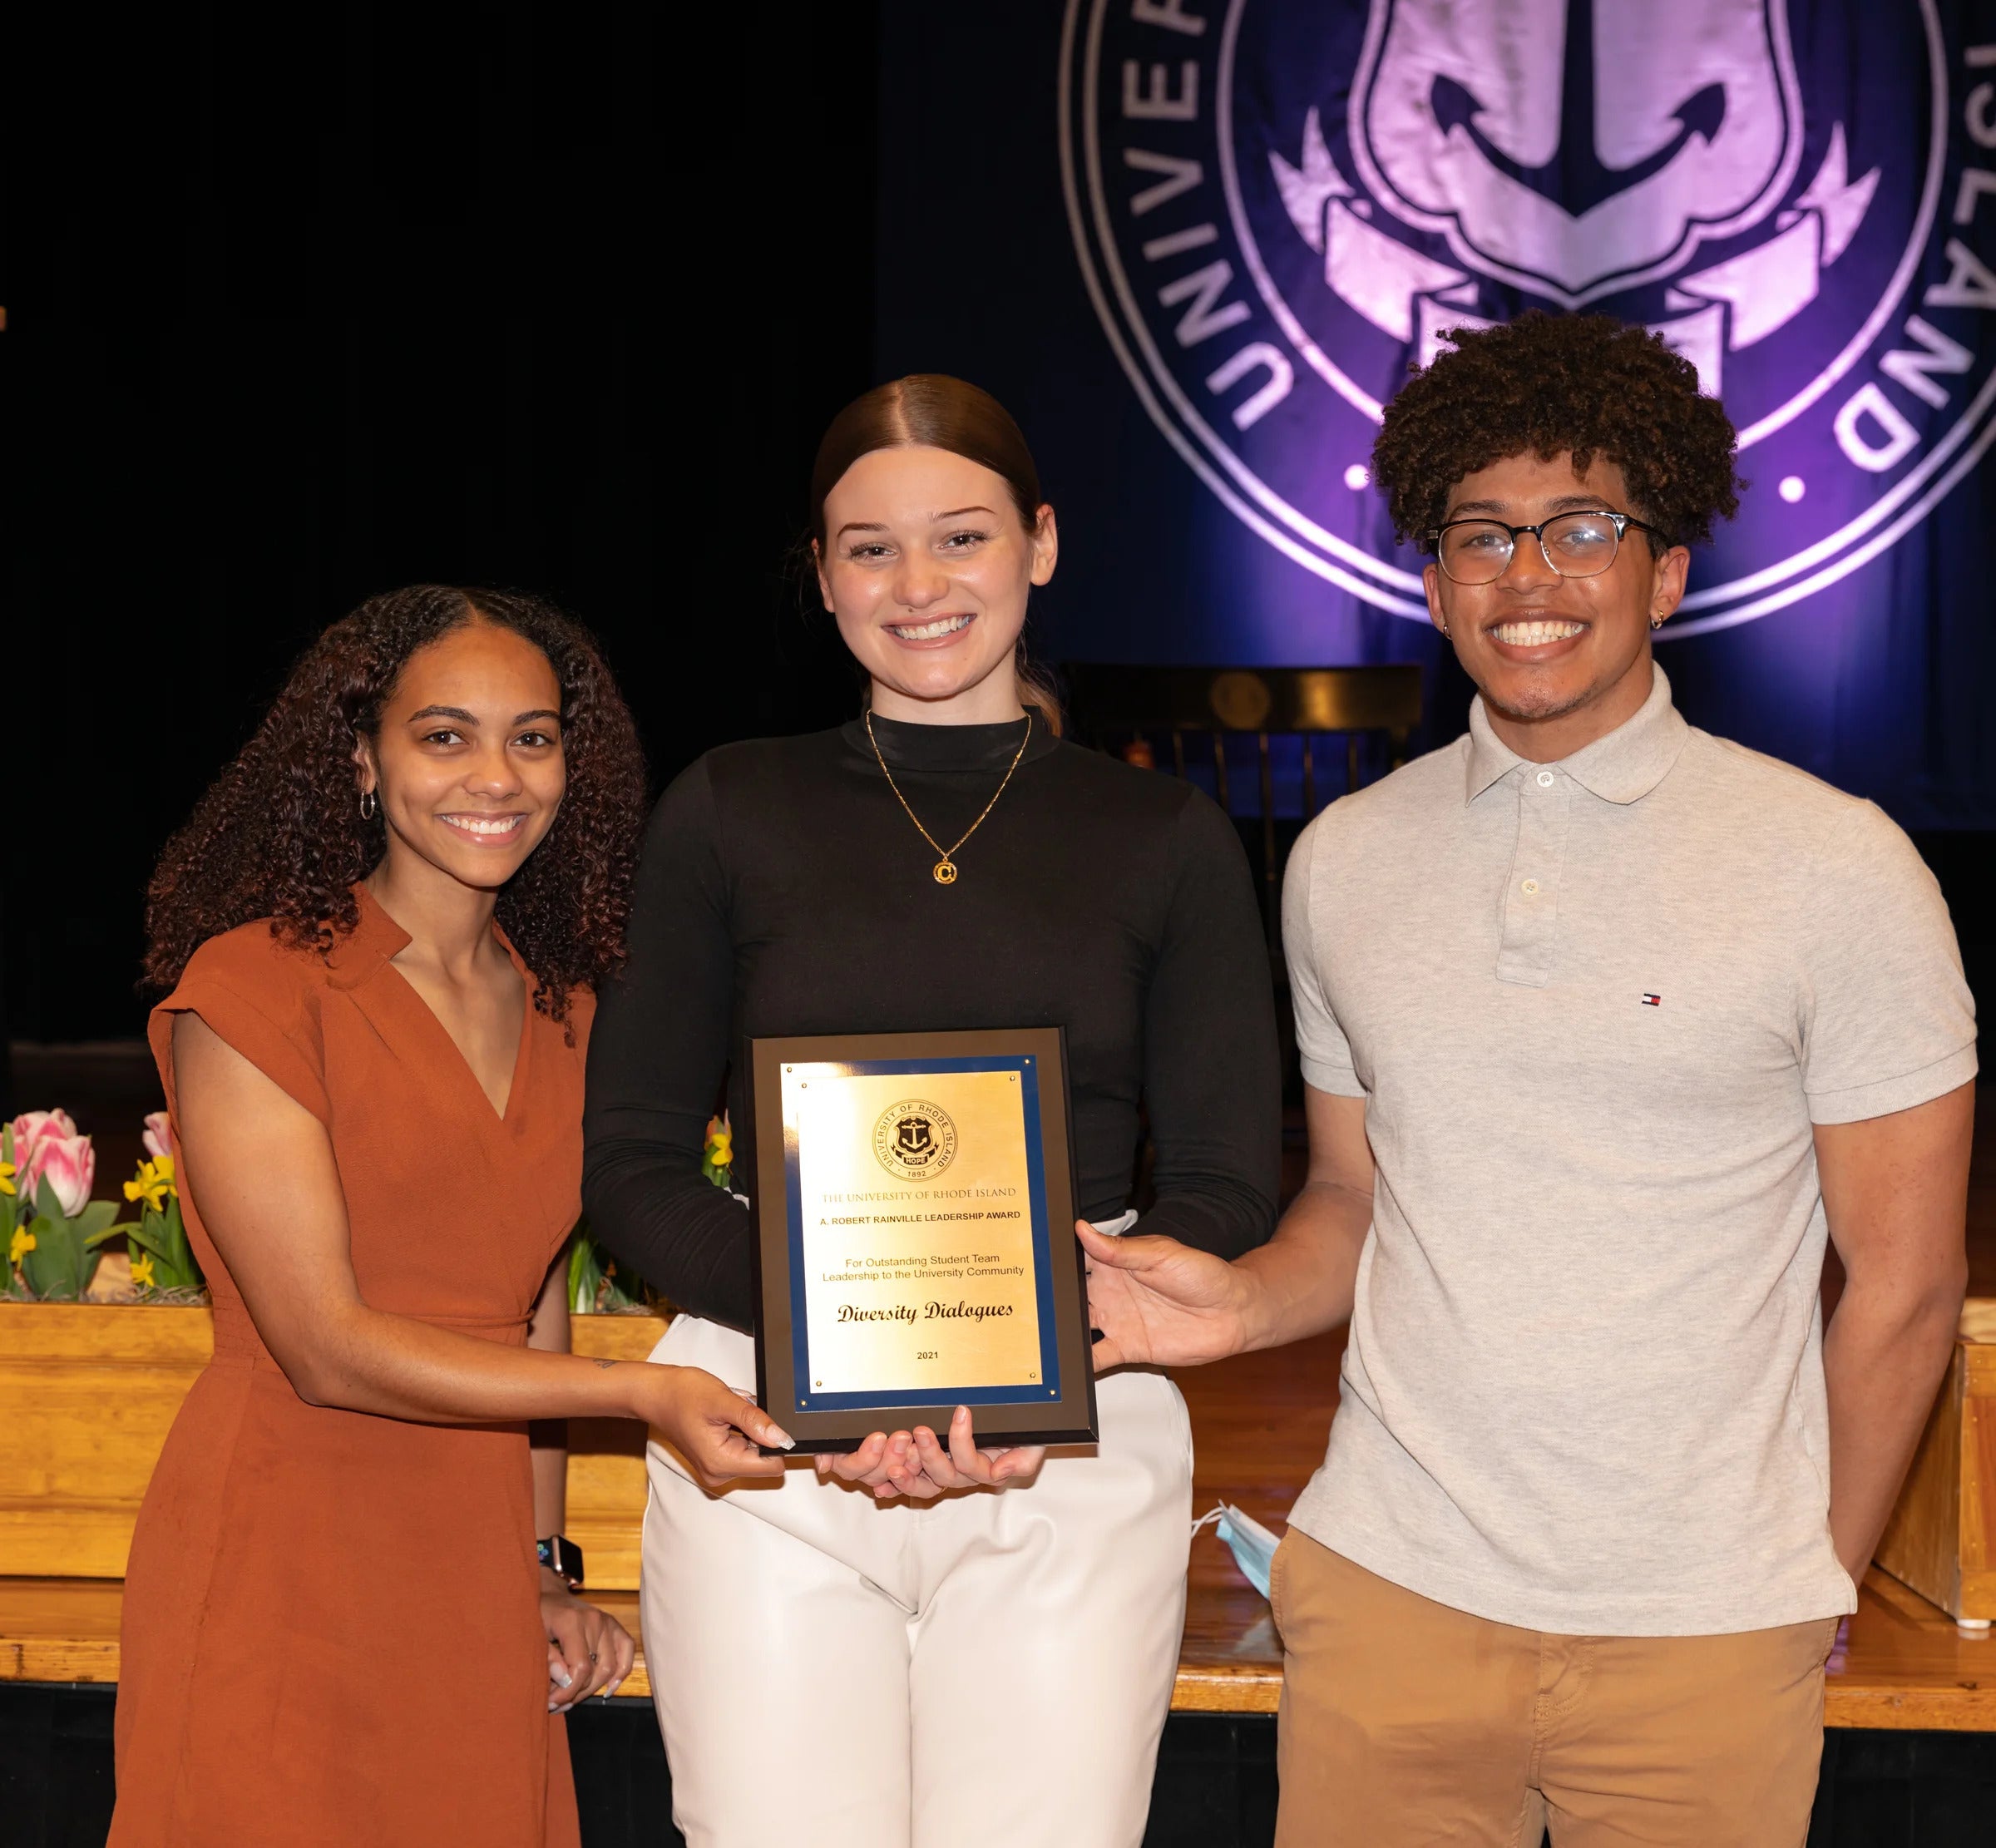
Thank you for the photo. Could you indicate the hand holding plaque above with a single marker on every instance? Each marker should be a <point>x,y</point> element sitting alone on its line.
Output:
<point>913,1196</point>
<point>922,1464</point>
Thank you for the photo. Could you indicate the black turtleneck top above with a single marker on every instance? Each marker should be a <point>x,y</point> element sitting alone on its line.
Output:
<point>783,891</point>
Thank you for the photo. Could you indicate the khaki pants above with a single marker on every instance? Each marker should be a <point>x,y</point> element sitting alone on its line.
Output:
<point>1405,1722</point>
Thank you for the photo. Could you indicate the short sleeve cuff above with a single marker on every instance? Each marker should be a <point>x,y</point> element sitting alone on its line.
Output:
<point>1886,1096</point>
<point>1339,1080</point>
<point>245,1029</point>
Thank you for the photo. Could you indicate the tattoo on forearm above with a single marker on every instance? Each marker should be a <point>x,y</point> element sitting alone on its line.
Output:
<point>606,1363</point>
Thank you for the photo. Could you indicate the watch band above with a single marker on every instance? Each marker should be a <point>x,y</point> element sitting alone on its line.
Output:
<point>563,1557</point>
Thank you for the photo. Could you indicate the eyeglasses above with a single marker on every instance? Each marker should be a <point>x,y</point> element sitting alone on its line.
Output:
<point>1574,545</point>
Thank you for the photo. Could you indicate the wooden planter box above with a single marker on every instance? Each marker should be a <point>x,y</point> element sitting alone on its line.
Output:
<point>89,1391</point>
<point>1941,1540</point>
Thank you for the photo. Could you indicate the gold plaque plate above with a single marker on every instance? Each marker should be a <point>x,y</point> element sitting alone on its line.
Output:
<point>914,1208</point>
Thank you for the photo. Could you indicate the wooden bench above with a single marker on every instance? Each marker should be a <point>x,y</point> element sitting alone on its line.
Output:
<point>1259,1421</point>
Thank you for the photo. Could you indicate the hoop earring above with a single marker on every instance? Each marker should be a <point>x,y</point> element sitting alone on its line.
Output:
<point>367,805</point>
<point>1656,622</point>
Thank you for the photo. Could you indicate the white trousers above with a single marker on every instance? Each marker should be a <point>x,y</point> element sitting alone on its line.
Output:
<point>991,1669</point>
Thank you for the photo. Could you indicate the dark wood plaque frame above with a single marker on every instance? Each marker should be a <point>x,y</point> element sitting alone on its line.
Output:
<point>1069,1417</point>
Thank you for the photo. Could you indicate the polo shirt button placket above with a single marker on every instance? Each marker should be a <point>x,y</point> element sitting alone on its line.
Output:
<point>1531,912</point>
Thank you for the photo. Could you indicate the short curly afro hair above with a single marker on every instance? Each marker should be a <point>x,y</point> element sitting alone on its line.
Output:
<point>1551,384</point>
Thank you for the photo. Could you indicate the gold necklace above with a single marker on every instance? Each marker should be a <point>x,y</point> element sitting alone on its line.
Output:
<point>945,867</point>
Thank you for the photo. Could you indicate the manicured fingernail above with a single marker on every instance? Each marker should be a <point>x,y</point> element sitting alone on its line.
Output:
<point>554,1707</point>
<point>564,1679</point>
<point>780,1439</point>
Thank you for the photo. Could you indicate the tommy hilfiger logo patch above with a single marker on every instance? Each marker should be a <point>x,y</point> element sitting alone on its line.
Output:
<point>1653,1000</point>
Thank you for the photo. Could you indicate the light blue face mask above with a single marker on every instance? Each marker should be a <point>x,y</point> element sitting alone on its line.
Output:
<point>1251,1543</point>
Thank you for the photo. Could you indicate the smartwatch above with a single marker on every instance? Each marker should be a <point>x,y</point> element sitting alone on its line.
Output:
<point>563,1557</point>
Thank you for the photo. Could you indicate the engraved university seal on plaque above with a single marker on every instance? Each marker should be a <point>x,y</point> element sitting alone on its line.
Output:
<point>914,1141</point>
<point>1278,204</point>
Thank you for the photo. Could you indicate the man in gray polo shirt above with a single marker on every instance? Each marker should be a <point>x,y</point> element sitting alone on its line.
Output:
<point>1606,1024</point>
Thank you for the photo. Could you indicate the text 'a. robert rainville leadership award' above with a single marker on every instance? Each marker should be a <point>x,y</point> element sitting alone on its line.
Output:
<point>915,1207</point>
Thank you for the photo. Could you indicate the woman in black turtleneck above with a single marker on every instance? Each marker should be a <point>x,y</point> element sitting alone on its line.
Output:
<point>992,1666</point>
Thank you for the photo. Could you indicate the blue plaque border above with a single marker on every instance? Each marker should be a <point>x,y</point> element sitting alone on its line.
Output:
<point>1013,1393</point>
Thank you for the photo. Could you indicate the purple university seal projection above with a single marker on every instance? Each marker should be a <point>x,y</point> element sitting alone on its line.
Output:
<point>1277,205</point>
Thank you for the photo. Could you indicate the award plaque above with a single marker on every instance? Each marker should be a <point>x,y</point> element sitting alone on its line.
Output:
<point>914,1243</point>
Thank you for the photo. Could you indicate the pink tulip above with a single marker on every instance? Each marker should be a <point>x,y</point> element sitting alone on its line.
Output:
<point>69,1164</point>
<point>159,1139</point>
<point>34,1126</point>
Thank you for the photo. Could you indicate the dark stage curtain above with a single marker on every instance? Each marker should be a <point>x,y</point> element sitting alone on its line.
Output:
<point>309,303</point>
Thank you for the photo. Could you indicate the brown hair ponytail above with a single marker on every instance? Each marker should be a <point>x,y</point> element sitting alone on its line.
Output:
<point>940,412</point>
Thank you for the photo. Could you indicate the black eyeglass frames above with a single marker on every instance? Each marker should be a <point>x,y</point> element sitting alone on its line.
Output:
<point>1574,545</point>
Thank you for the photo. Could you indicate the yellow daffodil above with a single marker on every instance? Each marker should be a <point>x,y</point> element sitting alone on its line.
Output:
<point>720,1148</point>
<point>7,1178</point>
<point>151,1186</point>
<point>23,1244</point>
<point>142,1270</point>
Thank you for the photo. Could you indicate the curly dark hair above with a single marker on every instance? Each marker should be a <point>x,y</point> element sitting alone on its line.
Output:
<point>1546,384</point>
<point>280,833</point>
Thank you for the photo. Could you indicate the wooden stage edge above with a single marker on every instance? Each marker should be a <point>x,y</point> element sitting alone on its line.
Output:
<point>1907,1667</point>
<point>1258,1427</point>
<point>1259,1423</point>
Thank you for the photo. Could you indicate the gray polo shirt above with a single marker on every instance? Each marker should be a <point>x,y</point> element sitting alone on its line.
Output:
<point>1594,1008</point>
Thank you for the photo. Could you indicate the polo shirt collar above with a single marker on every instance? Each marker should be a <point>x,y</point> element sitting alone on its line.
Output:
<point>1622,767</point>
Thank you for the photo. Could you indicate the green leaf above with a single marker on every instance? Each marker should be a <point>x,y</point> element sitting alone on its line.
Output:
<point>585,1275</point>
<point>146,1234</point>
<point>47,1205</point>
<point>93,1219</point>
<point>184,1260</point>
<point>54,1269</point>
<point>32,1273</point>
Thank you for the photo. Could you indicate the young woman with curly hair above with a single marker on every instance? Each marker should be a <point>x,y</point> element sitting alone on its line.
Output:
<point>1608,1025</point>
<point>382,929</point>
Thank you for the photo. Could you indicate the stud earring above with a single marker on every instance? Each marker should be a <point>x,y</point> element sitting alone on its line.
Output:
<point>367,805</point>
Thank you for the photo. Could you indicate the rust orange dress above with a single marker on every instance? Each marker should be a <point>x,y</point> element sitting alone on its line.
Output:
<point>332,1630</point>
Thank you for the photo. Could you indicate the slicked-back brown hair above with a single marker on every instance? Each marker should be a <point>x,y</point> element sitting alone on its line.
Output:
<point>938,411</point>
<point>280,833</point>
<point>1545,385</point>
